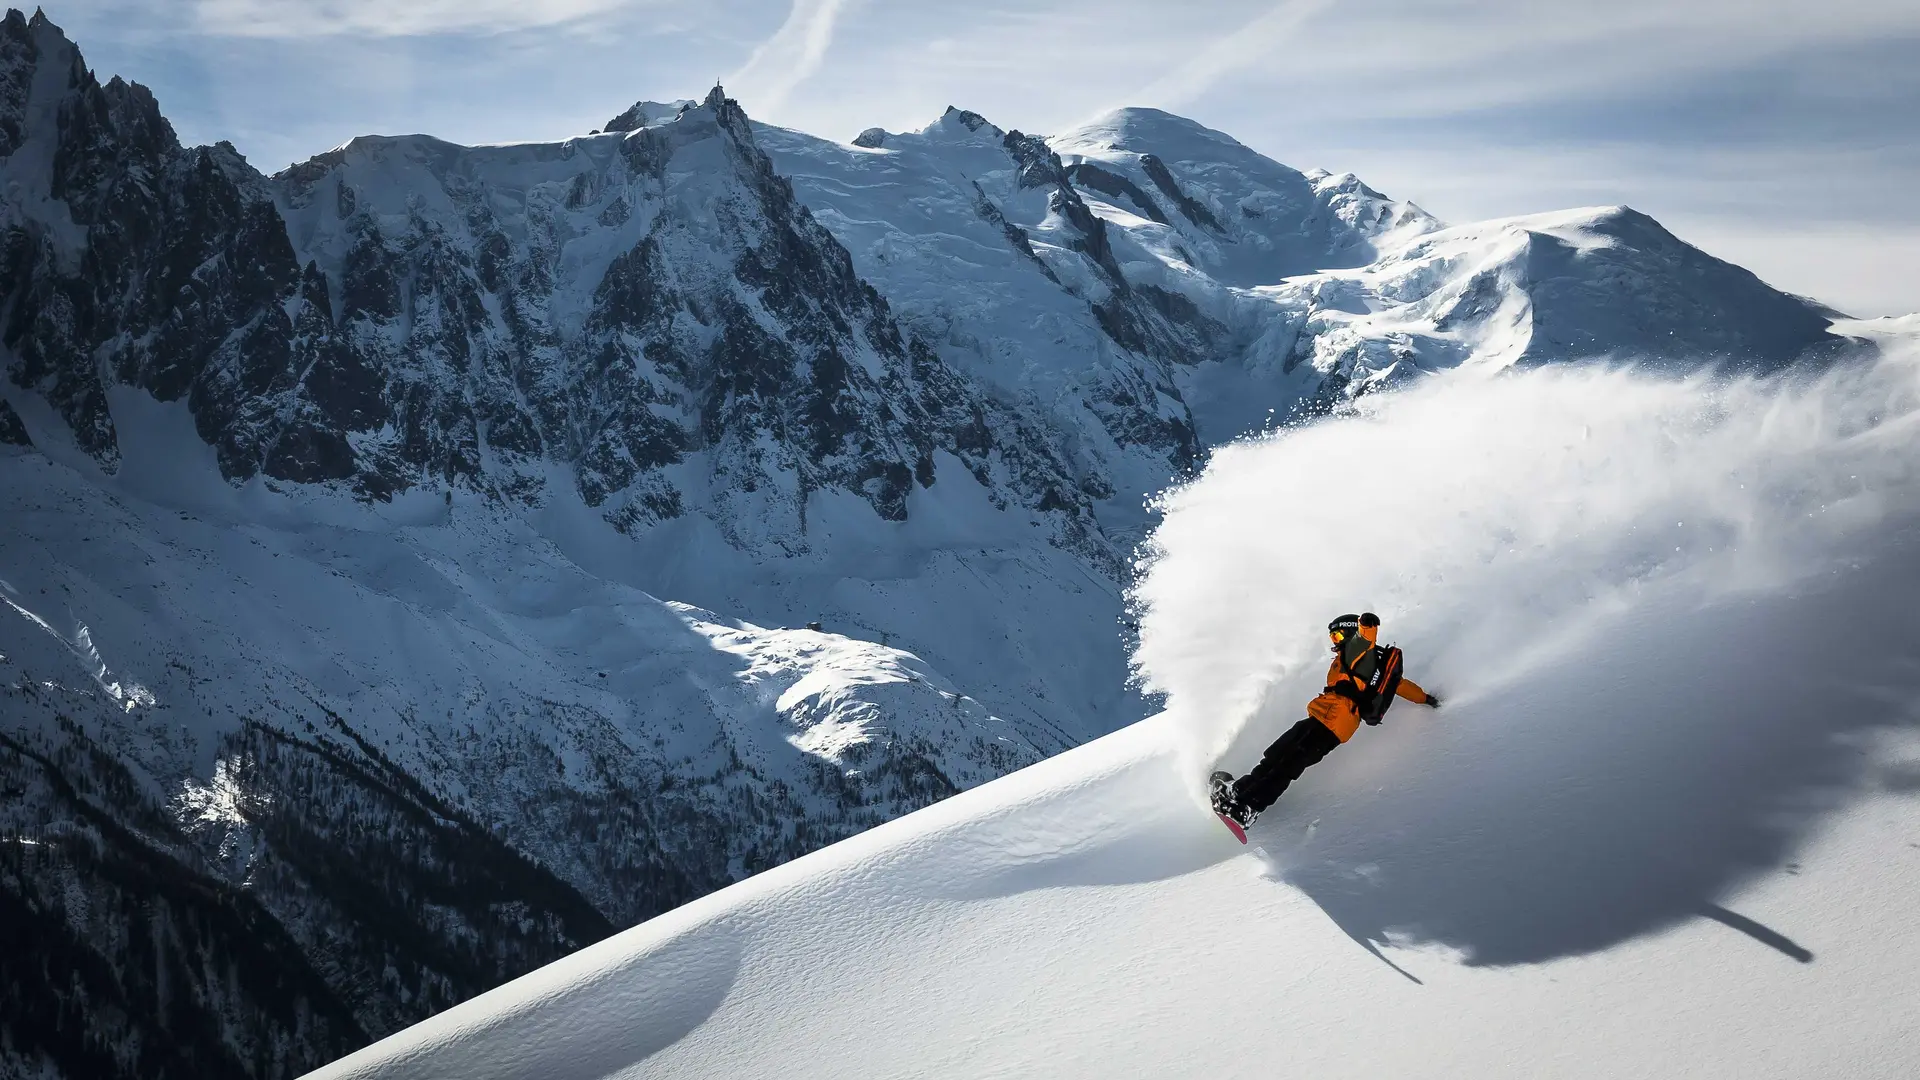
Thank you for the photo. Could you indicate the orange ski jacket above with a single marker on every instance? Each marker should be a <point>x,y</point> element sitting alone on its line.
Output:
<point>1337,712</point>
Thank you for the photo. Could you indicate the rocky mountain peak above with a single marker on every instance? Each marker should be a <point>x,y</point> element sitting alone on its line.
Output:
<point>657,313</point>
<point>642,113</point>
<point>972,121</point>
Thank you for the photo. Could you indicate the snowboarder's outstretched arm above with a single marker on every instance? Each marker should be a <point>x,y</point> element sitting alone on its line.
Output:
<point>1411,691</point>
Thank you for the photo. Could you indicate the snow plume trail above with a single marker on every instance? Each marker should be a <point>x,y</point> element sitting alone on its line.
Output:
<point>1496,524</point>
<point>1256,41</point>
<point>788,58</point>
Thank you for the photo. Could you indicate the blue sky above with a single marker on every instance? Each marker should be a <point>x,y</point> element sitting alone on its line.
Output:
<point>1783,136</point>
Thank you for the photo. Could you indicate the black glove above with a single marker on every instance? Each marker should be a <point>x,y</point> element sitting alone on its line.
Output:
<point>1373,721</point>
<point>1433,700</point>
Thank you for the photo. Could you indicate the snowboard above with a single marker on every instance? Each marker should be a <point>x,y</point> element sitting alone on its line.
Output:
<point>1219,781</point>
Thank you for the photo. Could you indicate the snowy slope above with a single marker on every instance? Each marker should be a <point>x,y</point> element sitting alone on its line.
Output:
<point>1663,826</point>
<point>414,746</point>
<point>1230,212</point>
<point>474,654</point>
<point>403,552</point>
<point>1598,282</point>
<point>416,761</point>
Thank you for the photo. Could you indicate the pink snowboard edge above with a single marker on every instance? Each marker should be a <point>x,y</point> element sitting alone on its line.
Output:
<point>1233,827</point>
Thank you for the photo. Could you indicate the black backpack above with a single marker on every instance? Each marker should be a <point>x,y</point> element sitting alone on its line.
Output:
<point>1380,671</point>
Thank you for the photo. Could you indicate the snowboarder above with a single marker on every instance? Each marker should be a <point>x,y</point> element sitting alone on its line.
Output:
<point>1362,681</point>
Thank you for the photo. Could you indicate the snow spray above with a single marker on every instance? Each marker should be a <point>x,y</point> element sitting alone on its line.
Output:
<point>1493,522</point>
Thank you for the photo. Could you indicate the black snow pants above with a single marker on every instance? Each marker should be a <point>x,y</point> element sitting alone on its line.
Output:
<point>1304,744</point>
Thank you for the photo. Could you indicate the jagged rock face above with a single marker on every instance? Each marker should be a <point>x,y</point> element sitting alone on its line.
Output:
<point>125,254</point>
<point>646,112</point>
<point>651,307</point>
<point>1113,185</point>
<point>12,431</point>
<point>1157,325</point>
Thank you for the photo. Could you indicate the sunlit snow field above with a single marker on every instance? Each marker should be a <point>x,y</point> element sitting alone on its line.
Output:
<point>1666,823</point>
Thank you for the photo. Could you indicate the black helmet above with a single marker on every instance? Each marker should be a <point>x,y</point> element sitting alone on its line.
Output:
<point>1347,626</point>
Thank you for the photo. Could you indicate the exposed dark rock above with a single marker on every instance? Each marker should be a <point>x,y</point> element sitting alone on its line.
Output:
<point>1163,179</point>
<point>1040,167</point>
<point>1016,236</point>
<point>184,263</point>
<point>639,115</point>
<point>309,453</point>
<point>18,56</point>
<point>872,139</point>
<point>1144,319</point>
<point>427,347</point>
<point>1160,323</point>
<point>626,121</point>
<point>1479,299</point>
<point>973,121</point>
<point>1113,185</point>
<point>12,431</point>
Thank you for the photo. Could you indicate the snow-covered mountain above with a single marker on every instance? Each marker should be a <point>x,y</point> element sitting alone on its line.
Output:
<point>1663,825</point>
<point>1260,288</point>
<point>1063,282</point>
<point>404,555</point>
<point>426,752</point>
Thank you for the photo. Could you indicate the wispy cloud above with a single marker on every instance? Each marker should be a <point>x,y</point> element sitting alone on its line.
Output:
<point>788,58</point>
<point>384,18</point>
<point>1411,59</point>
<point>1255,42</point>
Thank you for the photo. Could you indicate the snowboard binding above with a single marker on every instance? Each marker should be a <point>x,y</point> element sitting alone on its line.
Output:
<point>1233,813</point>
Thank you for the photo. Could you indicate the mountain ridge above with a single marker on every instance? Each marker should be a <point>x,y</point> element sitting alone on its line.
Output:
<point>414,545</point>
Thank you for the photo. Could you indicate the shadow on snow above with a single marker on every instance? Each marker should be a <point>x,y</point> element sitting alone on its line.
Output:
<point>1616,798</point>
